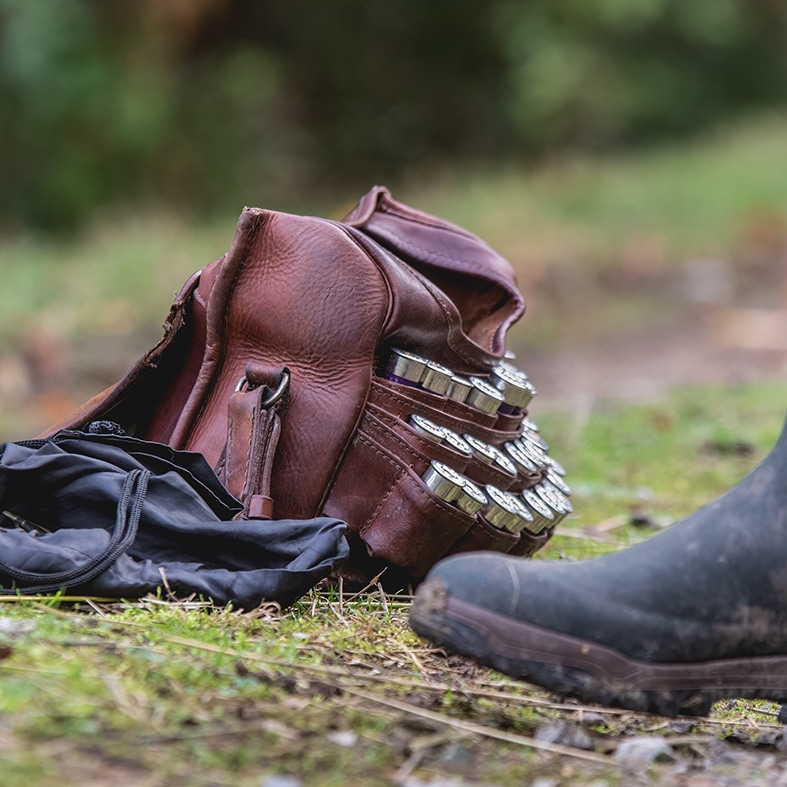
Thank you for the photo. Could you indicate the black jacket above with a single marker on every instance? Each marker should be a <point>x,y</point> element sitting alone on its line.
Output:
<point>99,513</point>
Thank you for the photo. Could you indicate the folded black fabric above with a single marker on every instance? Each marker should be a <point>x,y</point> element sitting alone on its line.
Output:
<point>110,515</point>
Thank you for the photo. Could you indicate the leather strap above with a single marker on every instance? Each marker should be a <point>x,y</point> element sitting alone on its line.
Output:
<point>253,431</point>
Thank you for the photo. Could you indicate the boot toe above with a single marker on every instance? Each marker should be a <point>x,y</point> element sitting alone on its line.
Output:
<point>484,579</point>
<point>469,593</point>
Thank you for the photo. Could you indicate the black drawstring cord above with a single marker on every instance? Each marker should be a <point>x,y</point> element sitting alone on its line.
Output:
<point>129,510</point>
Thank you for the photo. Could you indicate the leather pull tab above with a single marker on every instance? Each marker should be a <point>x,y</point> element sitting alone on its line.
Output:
<point>252,437</point>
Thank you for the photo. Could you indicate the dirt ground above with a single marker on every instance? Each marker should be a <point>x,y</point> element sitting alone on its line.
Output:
<point>641,365</point>
<point>630,337</point>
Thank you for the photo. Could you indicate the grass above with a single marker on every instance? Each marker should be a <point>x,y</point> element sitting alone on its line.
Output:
<point>338,690</point>
<point>664,458</point>
<point>700,198</point>
<point>116,278</point>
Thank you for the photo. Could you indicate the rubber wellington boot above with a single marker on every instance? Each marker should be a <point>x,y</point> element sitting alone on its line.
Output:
<point>693,615</point>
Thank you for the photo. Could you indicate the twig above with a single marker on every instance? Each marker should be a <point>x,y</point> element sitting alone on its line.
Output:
<point>420,667</point>
<point>371,583</point>
<point>408,766</point>
<point>613,523</point>
<point>165,581</point>
<point>383,599</point>
<point>95,607</point>
<point>41,598</point>
<point>381,678</point>
<point>58,613</point>
<point>478,729</point>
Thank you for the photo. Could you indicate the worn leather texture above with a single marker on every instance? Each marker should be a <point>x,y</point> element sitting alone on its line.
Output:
<point>327,301</point>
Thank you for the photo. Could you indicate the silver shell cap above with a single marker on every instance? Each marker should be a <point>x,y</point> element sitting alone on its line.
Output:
<point>520,459</point>
<point>459,388</point>
<point>472,498</point>
<point>427,427</point>
<point>543,515</point>
<point>484,396</point>
<point>502,462</point>
<point>444,481</point>
<point>504,511</point>
<point>406,365</point>
<point>457,443</point>
<point>517,390</point>
<point>436,377</point>
<point>558,481</point>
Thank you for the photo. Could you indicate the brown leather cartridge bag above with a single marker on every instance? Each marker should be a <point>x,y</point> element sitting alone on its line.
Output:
<point>270,365</point>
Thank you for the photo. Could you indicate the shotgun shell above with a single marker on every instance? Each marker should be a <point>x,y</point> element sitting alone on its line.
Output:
<point>444,481</point>
<point>491,455</point>
<point>484,396</point>
<point>543,514</point>
<point>436,377</point>
<point>557,501</point>
<point>504,511</point>
<point>502,462</point>
<point>538,457</point>
<point>458,443</point>
<point>459,388</point>
<point>521,460</point>
<point>405,367</point>
<point>481,450</point>
<point>427,427</point>
<point>553,464</point>
<point>558,481</point>
<point>517,390</point>
<point>511,368</point>
<point>556,498</point>
<point>471,498</point>
<point>534,438</point>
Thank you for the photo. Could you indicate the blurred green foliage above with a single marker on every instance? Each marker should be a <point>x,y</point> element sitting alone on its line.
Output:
<point>201,103</point>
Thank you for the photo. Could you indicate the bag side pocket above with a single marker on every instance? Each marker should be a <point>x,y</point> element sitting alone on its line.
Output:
<point>390,511</point>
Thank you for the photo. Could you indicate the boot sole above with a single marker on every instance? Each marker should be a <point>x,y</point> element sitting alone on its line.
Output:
<point>595,673</point>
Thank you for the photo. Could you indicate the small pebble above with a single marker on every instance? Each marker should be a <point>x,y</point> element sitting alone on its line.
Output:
<point>543,781</point>
<point>456,755</point>
<point>642,750</point>
<point>592,719</point>
<point>13,627</point>
<point>343,738</point>
<point>564,733</point>
<point>281,780</point>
